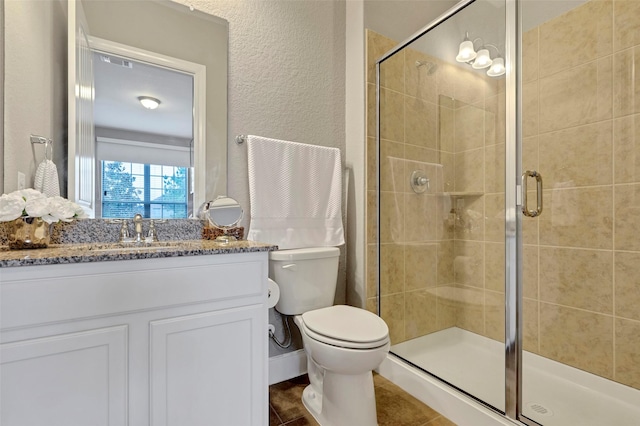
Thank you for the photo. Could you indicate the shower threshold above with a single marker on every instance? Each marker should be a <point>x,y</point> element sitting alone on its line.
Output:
<point>554,394</point>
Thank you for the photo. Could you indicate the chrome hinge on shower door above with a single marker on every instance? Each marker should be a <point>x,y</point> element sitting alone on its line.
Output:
<point>525,208</point>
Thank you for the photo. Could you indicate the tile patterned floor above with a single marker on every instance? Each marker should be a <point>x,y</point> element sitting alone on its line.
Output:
<point>394,406</point>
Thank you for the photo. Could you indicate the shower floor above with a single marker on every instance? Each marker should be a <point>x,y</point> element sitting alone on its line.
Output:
<point>554,394</point>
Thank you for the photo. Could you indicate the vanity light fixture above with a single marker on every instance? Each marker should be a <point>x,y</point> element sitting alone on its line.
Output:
<point>148,102</point>
<point>482,58</point>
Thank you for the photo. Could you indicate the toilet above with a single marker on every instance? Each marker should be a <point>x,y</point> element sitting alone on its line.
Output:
<point>343,343</point>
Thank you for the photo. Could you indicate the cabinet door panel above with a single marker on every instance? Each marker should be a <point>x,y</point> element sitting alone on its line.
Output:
<point>189,388</point>
<point>66,380</point>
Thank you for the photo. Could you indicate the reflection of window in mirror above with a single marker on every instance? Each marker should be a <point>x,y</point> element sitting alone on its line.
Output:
<point>143,152</point>
<point>154,191</point>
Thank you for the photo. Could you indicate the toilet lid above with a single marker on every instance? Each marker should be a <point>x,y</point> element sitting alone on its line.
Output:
<point>346,323</point>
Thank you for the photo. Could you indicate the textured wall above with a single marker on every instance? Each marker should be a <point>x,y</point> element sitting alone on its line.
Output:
<point>35,75</point>
<point>286,81</point>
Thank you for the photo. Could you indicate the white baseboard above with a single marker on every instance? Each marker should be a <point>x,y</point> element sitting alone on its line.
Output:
<point>287,366</point>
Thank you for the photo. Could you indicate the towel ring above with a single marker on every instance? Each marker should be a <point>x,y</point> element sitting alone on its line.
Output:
<point>48,151</point>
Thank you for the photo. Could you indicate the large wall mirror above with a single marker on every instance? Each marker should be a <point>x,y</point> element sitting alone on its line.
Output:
<point>114,155</point>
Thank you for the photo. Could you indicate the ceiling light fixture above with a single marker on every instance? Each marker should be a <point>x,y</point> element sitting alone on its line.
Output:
<point>148,102</point>
<point>482,58</point>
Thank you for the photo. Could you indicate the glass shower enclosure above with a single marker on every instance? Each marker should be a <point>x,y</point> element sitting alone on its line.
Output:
<point>508,199</point>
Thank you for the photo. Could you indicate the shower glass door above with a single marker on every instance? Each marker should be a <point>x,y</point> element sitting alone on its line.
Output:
<point>581,255</point>
<point>442,199</point>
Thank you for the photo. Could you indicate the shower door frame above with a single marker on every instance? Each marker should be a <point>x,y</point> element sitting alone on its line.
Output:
<point>513,200</point>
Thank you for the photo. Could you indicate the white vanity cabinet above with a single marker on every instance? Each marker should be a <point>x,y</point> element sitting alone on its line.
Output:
<point>166,341</point>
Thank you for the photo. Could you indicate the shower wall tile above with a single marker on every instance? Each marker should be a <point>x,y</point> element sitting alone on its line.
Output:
<point>577,278</point>
<point>605,88</point>
<point>494,169</point>
<point>530,157</point>
<point>566,221</point>
<point>495,119</point>
<point>421,81</point>
<point>445,220</point>
<point>471,224</point>
<point>391,166</point>
<point>447,128</point>
<point>420,313</point>
<point>391,268</point>
<point>470,309</point>
<point>446,79</point>
<point>627,149</point>
<point>576,96</point>
<point>468,263</point>
<point>391,217</point>
<point>626,23</point>
<point>469,171</point>
<point>372,217</point>
<point>627,353</point>
<point>371,164</point>
<point>392,73</point>
<point>421,261</point>
<point>531,225</point>
<point>494,217</point>
<point>469,127</point>
<point>627,291</point>
<point>421,127</point>
<point>580,156</point>
<point>420,217</point>
<point>530,271</point>
<point>419,156</point>
<point>530,55</point>
<point>530,327</point>
<point>578,338</point>
<point>627,214</point>
<point>448,162</point>
<point>494,316</point>
<point>371,110</point>
<point>445,263</point>
<point>576,37</point>
<point>392,312</point>
<point>446,310</point>
<point>530,108</point>
<point>469,87</point>
<point>494,267</point>
<point>626,82</point>
<point>372,270</point>
<point>392,115</point>
<point>377,45</point>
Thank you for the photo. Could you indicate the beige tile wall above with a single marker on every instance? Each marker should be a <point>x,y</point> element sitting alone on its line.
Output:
<point>581,128</point>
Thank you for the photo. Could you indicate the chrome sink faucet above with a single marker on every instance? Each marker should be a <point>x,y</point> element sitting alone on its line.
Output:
<point>137,227</point>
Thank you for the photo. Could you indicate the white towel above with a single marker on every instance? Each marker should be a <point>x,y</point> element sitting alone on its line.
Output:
<point>46,180</point>
<point>295,191</point>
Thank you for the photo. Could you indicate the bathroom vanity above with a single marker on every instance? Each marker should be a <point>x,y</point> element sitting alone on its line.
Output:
<point>135,337</point>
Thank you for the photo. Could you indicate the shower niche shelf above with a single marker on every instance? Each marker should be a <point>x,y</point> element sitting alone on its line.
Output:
<point>462,194</point>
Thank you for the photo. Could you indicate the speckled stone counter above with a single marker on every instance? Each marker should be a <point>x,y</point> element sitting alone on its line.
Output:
<point>102,252</point>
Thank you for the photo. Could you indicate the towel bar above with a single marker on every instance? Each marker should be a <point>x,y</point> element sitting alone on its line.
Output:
<point>240,139</point>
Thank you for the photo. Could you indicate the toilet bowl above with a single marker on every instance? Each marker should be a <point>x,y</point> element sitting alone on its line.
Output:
<point>343,343</point>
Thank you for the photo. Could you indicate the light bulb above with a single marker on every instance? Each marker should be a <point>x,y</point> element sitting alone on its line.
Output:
<point>148,102</point>
<point>483,59</point>
<point>497,68</point>
<point>466,52</point>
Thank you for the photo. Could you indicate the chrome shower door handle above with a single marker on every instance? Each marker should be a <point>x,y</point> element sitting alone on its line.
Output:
<point>525,208</point>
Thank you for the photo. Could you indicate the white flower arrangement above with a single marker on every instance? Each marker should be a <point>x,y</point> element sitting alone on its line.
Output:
<point>32,203</point>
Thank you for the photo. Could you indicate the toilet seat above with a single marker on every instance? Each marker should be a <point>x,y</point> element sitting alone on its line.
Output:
<point>345,326</point>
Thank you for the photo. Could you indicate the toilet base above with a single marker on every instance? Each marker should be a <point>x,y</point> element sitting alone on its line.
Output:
<point>346,400</point>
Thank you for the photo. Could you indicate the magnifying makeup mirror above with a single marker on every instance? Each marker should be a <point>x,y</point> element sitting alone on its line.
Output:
<point>223,213</point>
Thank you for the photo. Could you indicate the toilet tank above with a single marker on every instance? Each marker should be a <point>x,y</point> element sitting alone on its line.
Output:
<point>306,277</point>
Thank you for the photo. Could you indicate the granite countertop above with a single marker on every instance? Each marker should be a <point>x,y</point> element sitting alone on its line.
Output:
<point>101,252</point>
